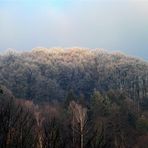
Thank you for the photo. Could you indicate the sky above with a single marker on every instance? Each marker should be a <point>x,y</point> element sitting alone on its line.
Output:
<point>115,25</point>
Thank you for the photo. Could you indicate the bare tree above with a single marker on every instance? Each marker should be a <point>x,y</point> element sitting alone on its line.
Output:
<point>79,120</point>
<point>17,124</point>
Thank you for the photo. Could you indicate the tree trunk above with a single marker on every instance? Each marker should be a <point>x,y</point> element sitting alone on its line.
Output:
<point>81,140</point>
<point>82,136</point>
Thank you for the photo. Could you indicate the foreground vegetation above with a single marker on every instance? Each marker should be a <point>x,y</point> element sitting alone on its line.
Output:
<point>106,121</point>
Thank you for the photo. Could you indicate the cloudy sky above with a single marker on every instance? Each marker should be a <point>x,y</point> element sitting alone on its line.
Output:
<point>110,24</point>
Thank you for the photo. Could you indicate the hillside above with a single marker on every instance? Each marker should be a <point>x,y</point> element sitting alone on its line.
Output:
<point>47,74</point>
<point>76,98</point>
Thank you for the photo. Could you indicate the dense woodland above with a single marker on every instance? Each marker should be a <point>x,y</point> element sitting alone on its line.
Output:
<point>73,98</point>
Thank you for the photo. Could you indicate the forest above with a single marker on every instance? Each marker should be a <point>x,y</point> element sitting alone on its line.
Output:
<point>73,98</point>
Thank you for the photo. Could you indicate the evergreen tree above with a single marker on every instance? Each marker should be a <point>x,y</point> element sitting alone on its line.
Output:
<point>100,104</point>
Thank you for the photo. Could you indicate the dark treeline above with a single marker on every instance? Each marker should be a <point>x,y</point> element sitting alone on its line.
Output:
<point>77,98</point>
<point>112,120</point>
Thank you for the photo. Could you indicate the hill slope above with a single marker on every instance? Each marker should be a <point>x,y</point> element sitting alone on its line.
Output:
<point>47,74</point>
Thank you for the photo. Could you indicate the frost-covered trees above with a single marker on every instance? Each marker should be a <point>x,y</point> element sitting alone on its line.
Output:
<point>47,74</point>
